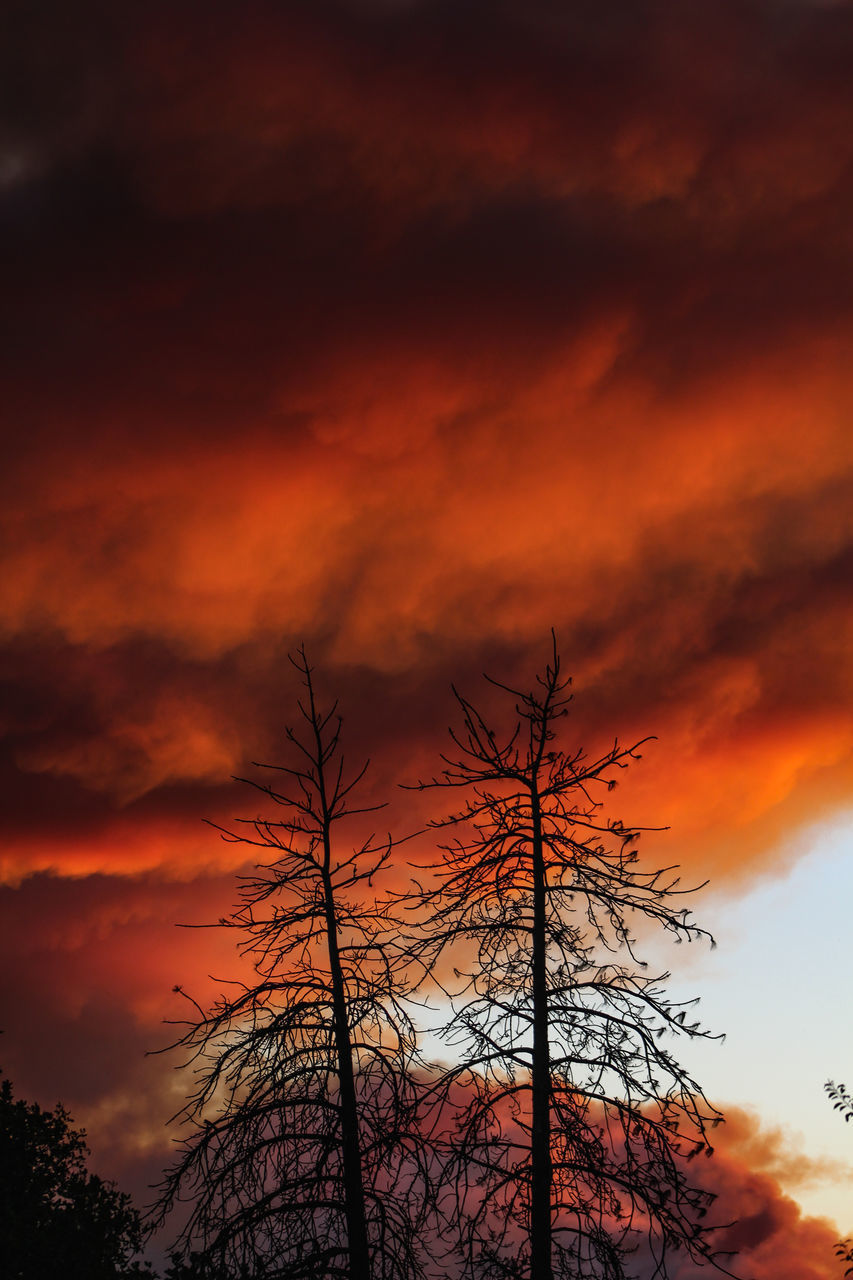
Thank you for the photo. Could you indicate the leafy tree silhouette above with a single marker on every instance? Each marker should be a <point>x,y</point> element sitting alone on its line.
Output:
<point>194,1266</point>
<point>574,1120</point>
<point>304,1157</point>
<point>842,1100</point>
<point>56,1218</point>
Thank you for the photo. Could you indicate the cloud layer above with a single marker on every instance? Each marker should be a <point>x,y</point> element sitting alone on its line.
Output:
<point>411,332</point>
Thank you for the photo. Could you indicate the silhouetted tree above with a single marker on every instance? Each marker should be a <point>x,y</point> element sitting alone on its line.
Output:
<point>575,1121</point>
<point>304,1157</point>
<point>56,1218</point>
<point>194,1266</point>
<point>842,1100</point>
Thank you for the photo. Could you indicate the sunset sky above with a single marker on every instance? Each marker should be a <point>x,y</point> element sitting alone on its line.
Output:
<point>411,329</point>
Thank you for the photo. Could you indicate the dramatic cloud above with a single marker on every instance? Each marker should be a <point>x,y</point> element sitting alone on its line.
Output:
<point>413,332</point>
<point>770,1237</point>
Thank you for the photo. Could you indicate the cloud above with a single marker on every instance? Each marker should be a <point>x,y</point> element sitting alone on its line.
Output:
<point>769,1234</point>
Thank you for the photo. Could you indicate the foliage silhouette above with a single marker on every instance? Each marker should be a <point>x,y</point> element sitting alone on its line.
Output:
<point>842,1100</point>
<point>56,1218</point>
<point>574,1121</point>
<point>303,1156</point>
<point>194,1266</point>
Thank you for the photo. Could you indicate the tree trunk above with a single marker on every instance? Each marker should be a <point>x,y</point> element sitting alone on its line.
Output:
<point>353,1184</point>
<point>540,1141</point>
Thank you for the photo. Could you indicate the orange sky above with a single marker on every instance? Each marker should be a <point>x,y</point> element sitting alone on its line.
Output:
<point>408,329</point>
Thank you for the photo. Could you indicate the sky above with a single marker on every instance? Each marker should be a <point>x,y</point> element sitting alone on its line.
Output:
<point>410,330</point>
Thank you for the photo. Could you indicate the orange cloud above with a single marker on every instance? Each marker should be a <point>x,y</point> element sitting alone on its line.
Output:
<point>771,1238</point>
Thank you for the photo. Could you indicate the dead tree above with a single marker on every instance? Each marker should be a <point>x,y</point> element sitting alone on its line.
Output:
<point>303,1156</point>
<point>575,1123</point>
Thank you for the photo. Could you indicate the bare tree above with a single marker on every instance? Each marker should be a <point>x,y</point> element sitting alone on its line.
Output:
<point>574,1120</point>
<point>303,1157</point>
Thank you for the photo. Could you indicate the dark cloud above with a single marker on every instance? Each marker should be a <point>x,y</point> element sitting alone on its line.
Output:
<point>470,180</point>
<point>769,1236</point>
